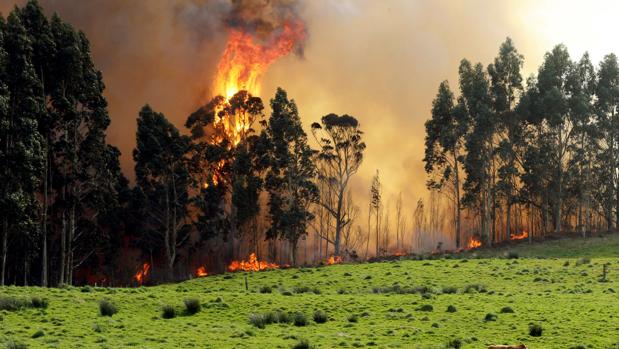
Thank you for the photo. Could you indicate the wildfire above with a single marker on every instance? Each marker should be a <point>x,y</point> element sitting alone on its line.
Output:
<point>201,272</point>
<point>334,260</point>
<point>473,243</point>
<point>520,236</point>
<point>399,253</point>
<point>253,264</point>
<point>141,275</point>
<point>245,61</point>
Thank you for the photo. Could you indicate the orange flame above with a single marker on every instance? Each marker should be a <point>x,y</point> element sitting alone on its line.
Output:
<point>141,275</point>
<point>334,260</point>
<point>473,243</point>
<point>399,253</point>
<point>245,61</point>
<point>201,272</point>
<point>252,265</point>
<point>520,236</point>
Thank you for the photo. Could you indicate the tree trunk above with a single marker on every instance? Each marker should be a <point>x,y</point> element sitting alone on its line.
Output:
<point>5,240</point>
<point>457,199</point>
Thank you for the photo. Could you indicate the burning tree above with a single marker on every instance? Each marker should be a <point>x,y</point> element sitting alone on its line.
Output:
<point>341,154</point>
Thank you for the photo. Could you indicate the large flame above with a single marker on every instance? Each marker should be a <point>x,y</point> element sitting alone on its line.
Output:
<point>141,274</point>
<point>253,264</point>
<point>245,60</point>
<point>473,243</point>
<point>520,236</point>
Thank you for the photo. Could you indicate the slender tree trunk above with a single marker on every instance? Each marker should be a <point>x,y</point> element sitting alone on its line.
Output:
<point>5,240</point>
<point>44,281</point>
<point>457,199</point>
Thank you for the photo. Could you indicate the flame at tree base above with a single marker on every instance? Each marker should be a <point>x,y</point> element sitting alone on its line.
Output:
<point>141,275</point>
<point>520,236</point>
<point>253,264</point>
<point>334,260</point>
<point>201,272</point>
<point>473,243</point>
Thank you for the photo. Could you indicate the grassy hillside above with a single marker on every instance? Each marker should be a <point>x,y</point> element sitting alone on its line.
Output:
<point>399,304</point>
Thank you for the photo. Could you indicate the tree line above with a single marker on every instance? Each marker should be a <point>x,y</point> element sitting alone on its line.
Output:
<point>539,157</point>
<point>236,174</point>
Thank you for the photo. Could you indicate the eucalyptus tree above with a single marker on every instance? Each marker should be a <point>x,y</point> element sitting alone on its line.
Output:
<point>341,152</point>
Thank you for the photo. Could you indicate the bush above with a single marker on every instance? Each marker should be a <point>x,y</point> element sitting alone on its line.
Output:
<point>257,320</point>
<point>301,289</point>
<point>512,255</point>
<point>11,344</point>
<point>299,319</point>
<point>12,303</point>
<point>107,308</point>
<point>353,318</point>
<point>535,330</point>
<point>450,290</point>
<point>283,317</point>
<point>38,334</point>
<point>192,306</point>
<point>302,344</point>
<point>37,302</point>
<point>320,317</point>
<point>505,310</point>
<point>454,343</point>
<point>490,317</point>
<point>426,307</point>
<point>266,289</point>
<point>475,288</point>
<point>86,289</point>
<point>168,312</point>
<point>451,309</point>
<point>582,261</point>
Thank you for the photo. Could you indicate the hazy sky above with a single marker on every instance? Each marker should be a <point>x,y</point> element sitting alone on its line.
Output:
<point>379,60</point>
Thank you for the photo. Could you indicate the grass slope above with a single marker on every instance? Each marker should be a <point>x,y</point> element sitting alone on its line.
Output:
<point>555,287</point>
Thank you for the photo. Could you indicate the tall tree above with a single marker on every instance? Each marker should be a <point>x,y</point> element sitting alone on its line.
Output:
<point>290,173</point>
<point>162,177</point>
<point>341,151</point>
<point>505,88</point>
<point>375,205</point>
<point>444,148</point>
<point>21,143</point>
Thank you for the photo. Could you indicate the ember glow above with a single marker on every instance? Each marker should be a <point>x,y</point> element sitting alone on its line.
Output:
<point>253,264</point>
<point>201,272</point>
<point>245,60</point>
<point>141,275</point>
<point>334,260</point>
<point>473,243</point>
<point>520,236</point>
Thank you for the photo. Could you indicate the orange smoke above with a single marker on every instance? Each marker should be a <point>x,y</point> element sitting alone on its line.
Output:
<point>473,243</point>
<point>520,236</point>
<point>334,260</point>
<point>245,61</point>
<point>253,264</point>
<point>201,272</point>
<point>141,275</point>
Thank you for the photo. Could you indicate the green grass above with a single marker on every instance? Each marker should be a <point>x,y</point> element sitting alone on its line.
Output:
<point>568,301</point>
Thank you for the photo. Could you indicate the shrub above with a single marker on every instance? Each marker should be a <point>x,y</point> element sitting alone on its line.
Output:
<point>192,306</point>
<point>168,312</point>
<point>265,289</point>
<point>299,319</point>
<point>283,317</point>
<point>302,344</point>
<point>320,317</point>
<point>426,307</point>
<point>454,343</point>
<point>535,330</point>
<point>490,317</point>
<point>451,309</point>
<point>37,302</point>
<point>301,289</point>
<point>11,344</point>
<point>257,320</point>
<point>475,288</point>
<point>505,310</point>
<point>107,308</point>
<point>38,334</point>
<point>353,318</point>
<point>512,255</point>
<point>86,289</point>
<point>582,261</point>
<point>450,290</point>
<point>12,303</point>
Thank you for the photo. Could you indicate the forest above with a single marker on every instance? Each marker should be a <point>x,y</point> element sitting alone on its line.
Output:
<point>242,182</point>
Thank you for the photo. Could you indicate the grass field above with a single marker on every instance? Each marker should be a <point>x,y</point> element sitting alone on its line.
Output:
<point>397,304</point>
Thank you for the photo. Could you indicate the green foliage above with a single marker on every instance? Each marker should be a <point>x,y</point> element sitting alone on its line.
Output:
<point>107,308</point>
<point>320,317</point>
<point>535,330</point>
<point>192,306</point>
<point>168,312</point>
<point>299,319</point>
